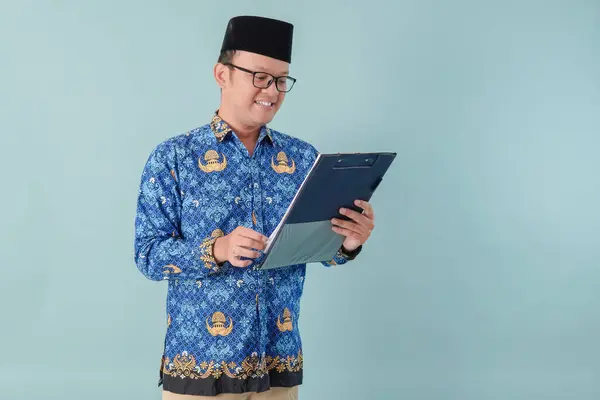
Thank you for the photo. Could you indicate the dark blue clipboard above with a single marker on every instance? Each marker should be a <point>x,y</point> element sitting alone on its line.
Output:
<point>334,181</point>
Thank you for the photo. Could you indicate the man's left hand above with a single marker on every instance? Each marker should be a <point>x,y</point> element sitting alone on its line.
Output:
<point>358,229</point>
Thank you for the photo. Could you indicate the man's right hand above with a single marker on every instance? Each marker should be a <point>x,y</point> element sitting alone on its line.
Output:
<point>242,242</point>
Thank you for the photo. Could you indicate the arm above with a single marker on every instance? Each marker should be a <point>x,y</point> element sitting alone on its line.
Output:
<point>161,252</point>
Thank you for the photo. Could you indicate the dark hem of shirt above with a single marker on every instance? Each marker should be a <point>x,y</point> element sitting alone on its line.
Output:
<point>225,384</point>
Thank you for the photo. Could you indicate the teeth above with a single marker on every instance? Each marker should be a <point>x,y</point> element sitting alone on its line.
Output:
<point>264,103</point>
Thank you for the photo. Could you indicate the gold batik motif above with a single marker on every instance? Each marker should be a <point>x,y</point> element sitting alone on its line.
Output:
<point>212,162</point>
<point>287,324</point>
<point>171,269</point>
<point>287,364</point>
<point>219,325</point>
<point>283,166</point>
<point>269,135</point>
<point>219,127</point>
<point>185,365</point>
<point>206,248</point>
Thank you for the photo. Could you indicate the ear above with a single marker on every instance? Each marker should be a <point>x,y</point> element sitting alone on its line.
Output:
<point>221,73</point>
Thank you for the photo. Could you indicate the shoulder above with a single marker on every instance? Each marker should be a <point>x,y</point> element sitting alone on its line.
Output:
<point>178,145</point>
<point>293,143</point>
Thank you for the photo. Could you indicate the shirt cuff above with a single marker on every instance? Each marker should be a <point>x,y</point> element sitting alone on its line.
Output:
<point>342,256</point>
<point>348,255</point>
<point>207,253</point>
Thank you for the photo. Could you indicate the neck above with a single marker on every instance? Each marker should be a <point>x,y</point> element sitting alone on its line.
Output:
<point>248,135</point>
<point>243,131</point>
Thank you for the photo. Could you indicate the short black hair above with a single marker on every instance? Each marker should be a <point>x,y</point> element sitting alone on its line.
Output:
<point>226,57</point>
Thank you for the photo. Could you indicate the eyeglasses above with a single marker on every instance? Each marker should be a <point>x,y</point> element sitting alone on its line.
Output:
<point>262,80</point>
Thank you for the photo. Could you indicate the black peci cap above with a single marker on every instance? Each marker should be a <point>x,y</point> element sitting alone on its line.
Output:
<point>265,36</point>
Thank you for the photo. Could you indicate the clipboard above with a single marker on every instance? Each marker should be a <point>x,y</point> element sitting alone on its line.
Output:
<point>304,234</point>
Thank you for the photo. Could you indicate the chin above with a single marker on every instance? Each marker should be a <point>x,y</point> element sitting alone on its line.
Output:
<point>264,118</point>
<point>267,120</point>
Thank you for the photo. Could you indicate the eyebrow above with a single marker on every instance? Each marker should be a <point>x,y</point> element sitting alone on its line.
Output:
<point>263,69</point>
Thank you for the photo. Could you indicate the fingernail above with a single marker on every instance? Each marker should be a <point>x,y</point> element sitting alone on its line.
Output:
<point>343,210</point>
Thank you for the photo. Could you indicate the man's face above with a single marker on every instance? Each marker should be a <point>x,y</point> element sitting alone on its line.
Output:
<point>253,106</point>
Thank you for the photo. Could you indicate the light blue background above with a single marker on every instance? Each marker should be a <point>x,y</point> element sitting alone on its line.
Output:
<point>481,280</point>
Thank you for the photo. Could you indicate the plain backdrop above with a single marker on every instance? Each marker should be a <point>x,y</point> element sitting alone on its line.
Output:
<point>481,279</point>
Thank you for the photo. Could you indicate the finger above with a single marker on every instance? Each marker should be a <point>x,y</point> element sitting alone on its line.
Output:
<point>358,218</point>
<point>251,243</point>
<point>240,251</point>
<point>367,208</point>
<point>347,232</point>
<point>236,262</point>
<point>252,234</point>
<point>349,225</point>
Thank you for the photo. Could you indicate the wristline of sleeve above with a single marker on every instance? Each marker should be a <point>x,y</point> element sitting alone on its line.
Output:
<point>207,255</point>
<point>349,255</point>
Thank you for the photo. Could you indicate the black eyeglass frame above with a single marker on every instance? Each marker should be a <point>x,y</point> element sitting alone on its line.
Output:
<point>274,78</point>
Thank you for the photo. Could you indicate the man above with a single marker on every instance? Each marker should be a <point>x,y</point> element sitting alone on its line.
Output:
<point>208,200</point>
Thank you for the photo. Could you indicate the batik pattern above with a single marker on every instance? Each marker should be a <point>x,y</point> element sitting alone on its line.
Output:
<point>228,329</point>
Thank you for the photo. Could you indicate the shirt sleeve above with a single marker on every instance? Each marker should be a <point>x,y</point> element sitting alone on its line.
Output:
<point>342,257</point>
<point>161,251</point>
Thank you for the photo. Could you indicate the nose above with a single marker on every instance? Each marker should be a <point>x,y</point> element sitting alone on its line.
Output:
<point>272,90</point>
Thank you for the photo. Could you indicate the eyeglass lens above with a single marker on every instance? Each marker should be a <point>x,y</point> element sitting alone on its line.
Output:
<point>263,80</point>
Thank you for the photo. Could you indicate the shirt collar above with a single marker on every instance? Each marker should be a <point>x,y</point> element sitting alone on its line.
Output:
<point>221,129</point>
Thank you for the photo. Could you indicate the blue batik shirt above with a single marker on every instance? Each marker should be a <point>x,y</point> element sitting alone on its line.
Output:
<point>229,329</point>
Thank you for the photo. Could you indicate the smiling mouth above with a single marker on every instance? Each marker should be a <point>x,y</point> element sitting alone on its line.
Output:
<point>265,104</point>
